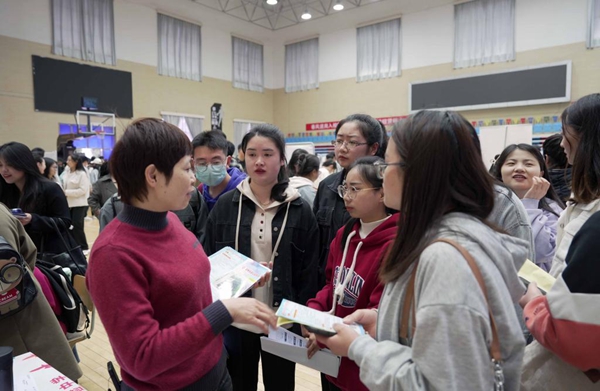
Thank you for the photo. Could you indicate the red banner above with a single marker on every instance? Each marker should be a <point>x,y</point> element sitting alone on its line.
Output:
<point>317,126</point>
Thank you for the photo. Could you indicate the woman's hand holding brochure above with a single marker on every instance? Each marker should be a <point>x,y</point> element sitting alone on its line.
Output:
<point>251,311</point>
<point>345,335</point>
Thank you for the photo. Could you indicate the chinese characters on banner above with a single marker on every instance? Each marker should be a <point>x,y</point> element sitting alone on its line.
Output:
<point>317,126</point>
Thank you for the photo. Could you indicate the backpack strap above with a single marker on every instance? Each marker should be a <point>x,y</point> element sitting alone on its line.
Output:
<point>409,301</point>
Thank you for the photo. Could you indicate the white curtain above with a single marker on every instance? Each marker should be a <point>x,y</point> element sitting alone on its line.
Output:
<point>240,128</point>
<point>179,48</point>
<point>247,65</point>
<point>302,65</point>
<point>484,32</point>
<point>378,51</point>
<point>84,29</point>
<point>593,36</point>
<point>191,126</point>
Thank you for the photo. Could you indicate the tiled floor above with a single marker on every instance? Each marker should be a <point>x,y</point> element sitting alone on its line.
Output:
<point>96,351</point>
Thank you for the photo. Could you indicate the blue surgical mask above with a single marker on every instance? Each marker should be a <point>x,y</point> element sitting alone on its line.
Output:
<point>211,174</point>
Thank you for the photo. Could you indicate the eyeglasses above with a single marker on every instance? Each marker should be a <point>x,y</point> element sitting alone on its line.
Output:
<point>203,167</point>
<point>352,191</point>
<point>381,166</point>
<point>348,144</point>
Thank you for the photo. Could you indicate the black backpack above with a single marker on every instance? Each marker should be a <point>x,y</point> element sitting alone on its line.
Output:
<point>17,289</point>
<point>71,304</point>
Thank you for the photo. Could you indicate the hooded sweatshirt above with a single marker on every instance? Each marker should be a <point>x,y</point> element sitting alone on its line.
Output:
<point>305,187</point>
<point>262,248</point>
<point>237,177</point>
<point>359,267</point>
<point>450,349</point>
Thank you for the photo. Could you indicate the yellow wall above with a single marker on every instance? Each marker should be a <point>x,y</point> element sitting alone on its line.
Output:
<point>336,99</point>
<point>151,95</point>
<point>332,101</point>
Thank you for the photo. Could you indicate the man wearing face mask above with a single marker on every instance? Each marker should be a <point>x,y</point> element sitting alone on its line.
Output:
<point>211,164</point>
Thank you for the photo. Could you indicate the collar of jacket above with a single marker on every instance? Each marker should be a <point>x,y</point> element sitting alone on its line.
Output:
<point>237,194</point>
<point>333,186</point>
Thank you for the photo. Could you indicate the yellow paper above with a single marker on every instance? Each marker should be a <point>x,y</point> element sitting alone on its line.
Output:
<point>531,272</point>
<point>282,321</point>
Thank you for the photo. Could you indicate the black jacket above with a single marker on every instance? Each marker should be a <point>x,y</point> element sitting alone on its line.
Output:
<point>295,270</point>
<point>102,190</point>
<point>331,214</point>
<point>50,205</point>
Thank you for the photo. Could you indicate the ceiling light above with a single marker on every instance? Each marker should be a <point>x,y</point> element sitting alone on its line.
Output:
<point>338,5</point>
<point>306,15</point>
<point>271,2</point>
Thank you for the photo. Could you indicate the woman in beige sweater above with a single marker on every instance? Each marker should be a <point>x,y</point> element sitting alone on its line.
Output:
<point>77,189</point>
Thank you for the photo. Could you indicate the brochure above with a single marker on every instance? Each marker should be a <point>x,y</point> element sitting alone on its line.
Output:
<point>314,321</point>
<point>232,274</point>
<point>531,272</point>
<point>284,343</point>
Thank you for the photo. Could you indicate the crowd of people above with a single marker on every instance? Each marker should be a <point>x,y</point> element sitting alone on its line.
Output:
<point>408,235</point>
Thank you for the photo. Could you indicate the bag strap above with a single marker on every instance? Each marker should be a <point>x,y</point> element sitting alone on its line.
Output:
<point>410,292</point>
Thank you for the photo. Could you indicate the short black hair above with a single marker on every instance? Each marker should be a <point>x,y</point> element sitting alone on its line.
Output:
<point>37,151</point>
<point>146,141</point>
<point>212,139</point>
<point>556,153</point>
<point>230,148</point>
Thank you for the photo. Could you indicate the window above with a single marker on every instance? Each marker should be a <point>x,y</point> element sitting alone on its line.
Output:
<point>240,128</point>
<point>593,36</point>
<point>484,32</point>
<point>84,29</point>
<point>247,65</point>
<point>179,48</point>
<point>191,124</point>
<point>302,65</point>
<point>378,51</point>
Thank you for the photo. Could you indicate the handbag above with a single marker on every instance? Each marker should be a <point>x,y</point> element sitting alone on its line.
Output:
<point>409,306</point>
<point>72,258</point>
<point>17,289</point>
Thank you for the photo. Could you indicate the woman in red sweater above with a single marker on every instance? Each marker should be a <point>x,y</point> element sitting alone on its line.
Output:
<point>149,276</point>
<point>355,254</point>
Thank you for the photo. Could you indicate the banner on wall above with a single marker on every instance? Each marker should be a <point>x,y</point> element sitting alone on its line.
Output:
<point>318,126</point>
<point>216,117</point>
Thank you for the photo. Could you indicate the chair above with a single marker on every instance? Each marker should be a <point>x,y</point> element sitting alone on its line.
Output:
<point>81,288</point>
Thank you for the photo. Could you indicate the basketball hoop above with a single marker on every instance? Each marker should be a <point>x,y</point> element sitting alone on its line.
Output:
<point>100,134</point>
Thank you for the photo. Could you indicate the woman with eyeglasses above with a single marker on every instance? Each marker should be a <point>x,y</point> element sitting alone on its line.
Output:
<point>352,273</point>
<point>447,309</point>
<point>356,136</point>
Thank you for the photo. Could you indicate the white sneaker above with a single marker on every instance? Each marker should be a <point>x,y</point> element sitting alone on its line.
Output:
<point>86,253</point>
<point>88,218</point>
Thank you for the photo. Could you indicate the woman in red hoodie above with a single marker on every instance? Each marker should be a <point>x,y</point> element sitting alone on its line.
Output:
<point>352,279</point>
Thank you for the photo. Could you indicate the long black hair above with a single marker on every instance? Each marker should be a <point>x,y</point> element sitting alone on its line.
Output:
<point>443,173</point>
<point>292,165</point>
<point>49,163</point>
<point>551,193</point>
<point>78,158</point>
<point>19,157</point>
<point>583,117</point>
<point>273,133</point>
<point>307,163</point>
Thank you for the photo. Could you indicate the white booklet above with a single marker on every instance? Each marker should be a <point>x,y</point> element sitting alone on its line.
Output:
<point>314,321</point>
<point>284,343</point>
<point>232,274</point>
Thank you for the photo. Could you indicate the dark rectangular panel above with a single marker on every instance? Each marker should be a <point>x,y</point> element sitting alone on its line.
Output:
<point>59,86</point>
<point>498,88</point>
